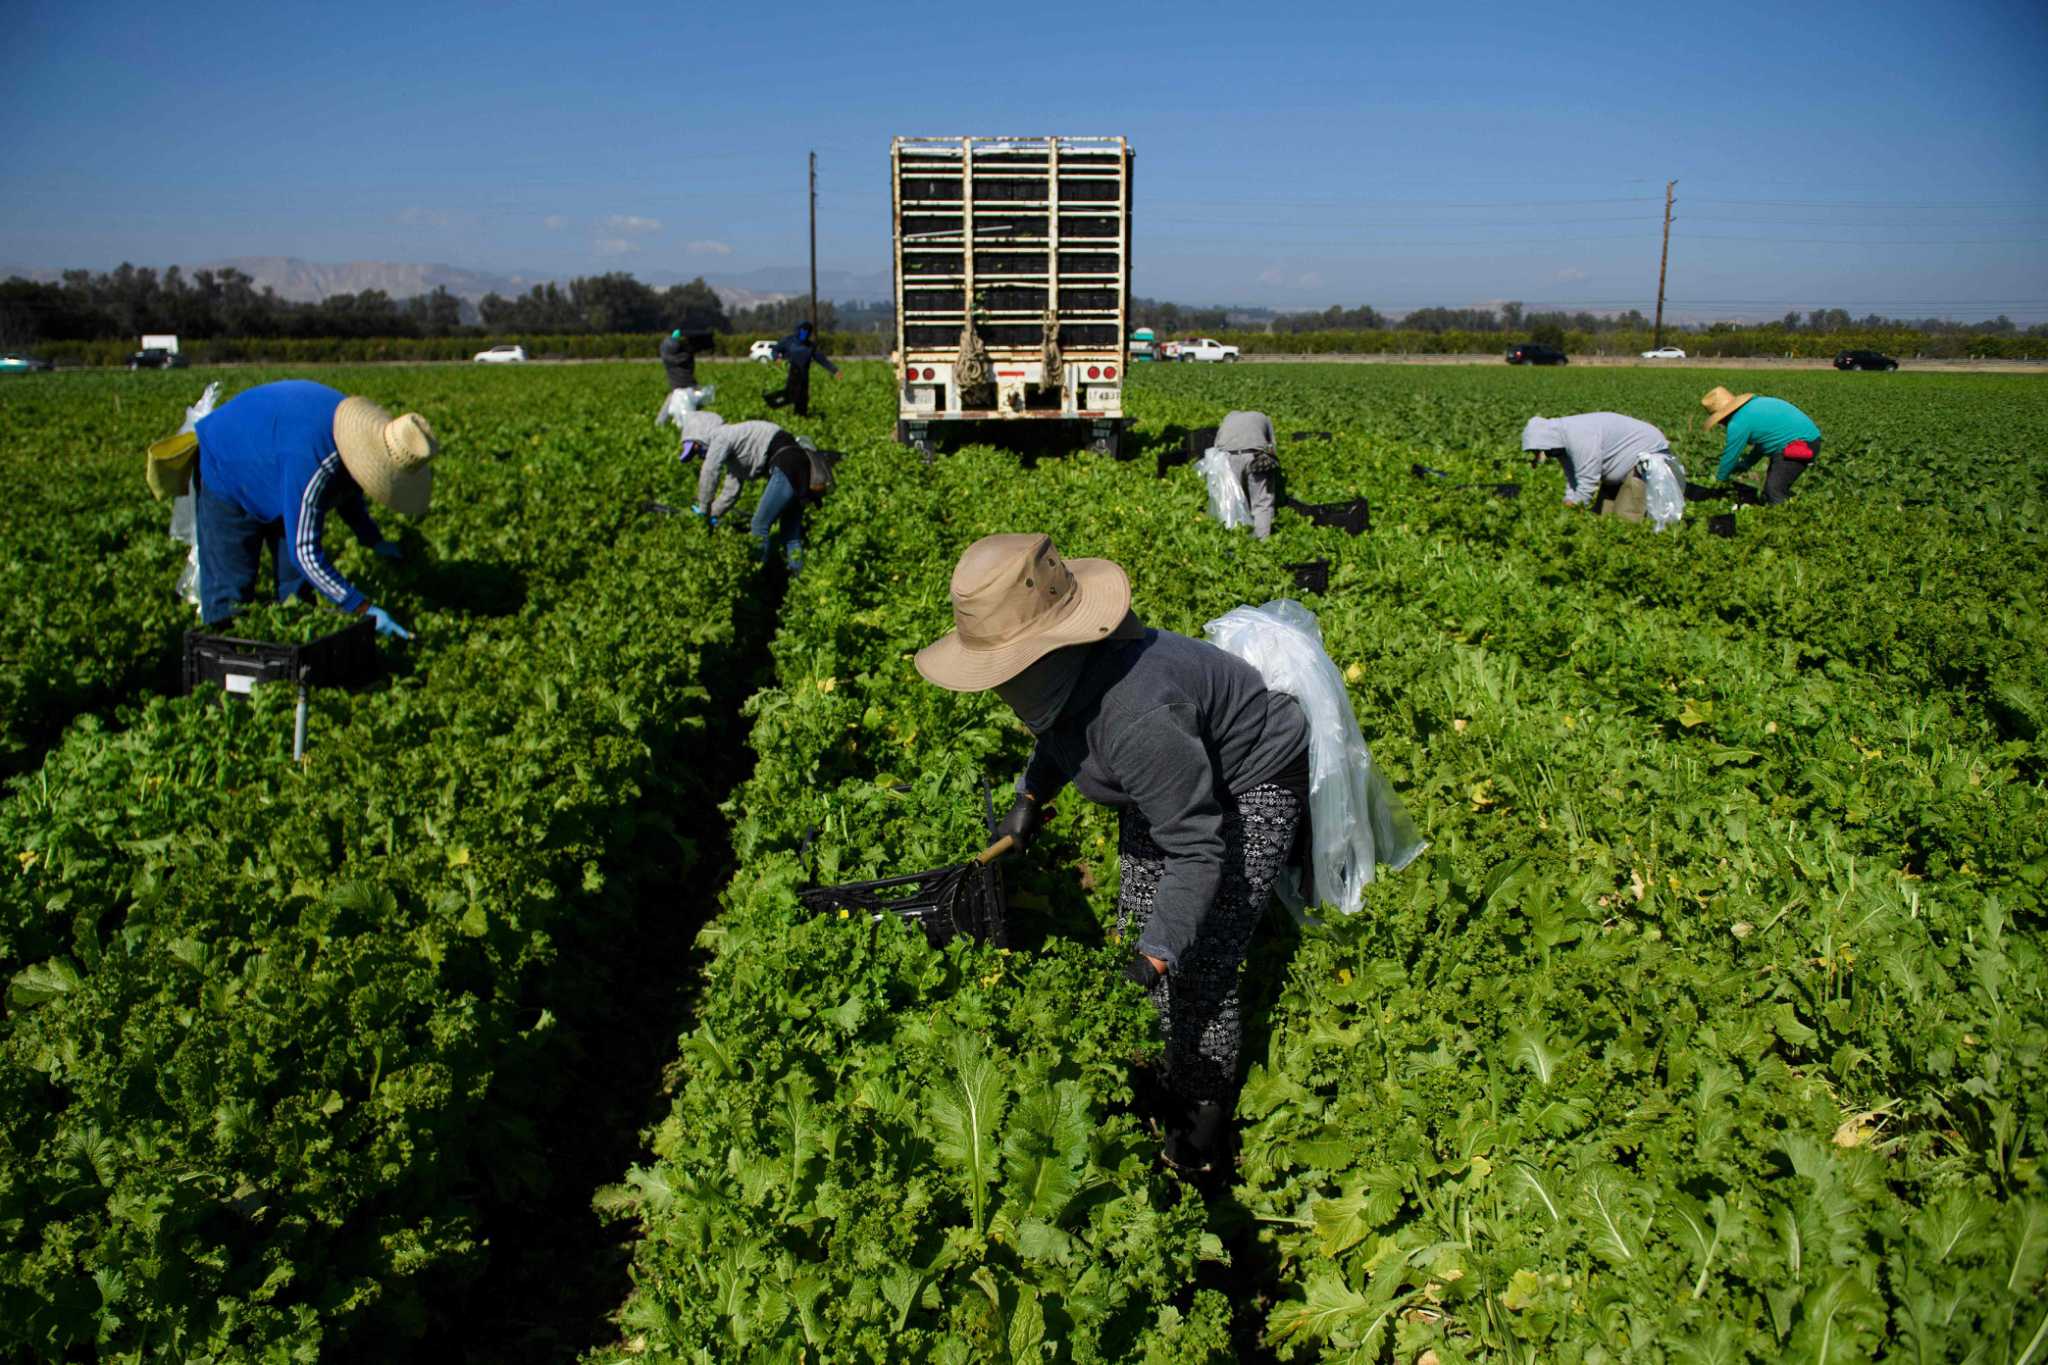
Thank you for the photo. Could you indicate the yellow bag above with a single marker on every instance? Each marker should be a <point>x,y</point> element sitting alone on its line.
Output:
<point>168,471</point>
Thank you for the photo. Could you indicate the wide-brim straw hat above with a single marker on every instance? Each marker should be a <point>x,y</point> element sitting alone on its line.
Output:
<point>1015,600</point>
<point>1721,404</point>
<point>391,458</point>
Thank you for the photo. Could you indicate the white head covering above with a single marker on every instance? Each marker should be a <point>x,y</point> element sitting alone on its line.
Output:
<point>1543,433</point>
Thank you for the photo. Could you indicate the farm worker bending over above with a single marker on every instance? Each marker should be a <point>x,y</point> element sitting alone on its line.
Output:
<point>1602,455</point>
<point>273,462</point>
<point>1247,437</point>
<point>1758,427</point>
<point>796,475</point>
<point>799,349</point>
<point>1207,769</point>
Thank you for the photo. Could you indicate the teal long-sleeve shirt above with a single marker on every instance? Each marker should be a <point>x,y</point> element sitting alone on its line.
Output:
<point>1766,426</point>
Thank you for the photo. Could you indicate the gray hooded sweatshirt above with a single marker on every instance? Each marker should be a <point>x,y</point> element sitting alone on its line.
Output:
<point>1173,726</point>
<point>1599,447</point>
<point>743,444</point>
<point>1245,431</point>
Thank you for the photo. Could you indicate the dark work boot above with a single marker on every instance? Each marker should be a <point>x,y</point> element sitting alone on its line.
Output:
<point>1198,1142</point>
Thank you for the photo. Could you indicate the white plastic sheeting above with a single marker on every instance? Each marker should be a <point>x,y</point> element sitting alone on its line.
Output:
<point>1356,820</point>
<point>1227,502</point>
<point>682,402</point>
<point>184,521</point>
<point>1665,500</point>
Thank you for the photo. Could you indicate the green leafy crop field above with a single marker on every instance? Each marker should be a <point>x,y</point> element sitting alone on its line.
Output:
<point>1710,1028</point>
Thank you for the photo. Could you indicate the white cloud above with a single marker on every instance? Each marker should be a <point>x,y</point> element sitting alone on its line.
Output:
<point>1571,272</point>
<point>554,222</point>
<point>632,222</point>
<point>707,248</point>
<point>1273,275</point>
<point>613,246</point>
<point>415,216</point>
<point>1310,280</point>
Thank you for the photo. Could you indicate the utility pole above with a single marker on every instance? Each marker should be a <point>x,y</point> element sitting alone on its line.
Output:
<point>814,240</point>
<point>1663,260</point>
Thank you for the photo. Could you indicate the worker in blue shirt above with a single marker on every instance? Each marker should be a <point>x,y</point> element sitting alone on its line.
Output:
<point>798,350</point>
<point>273,462</point>
<point>1758,427</point>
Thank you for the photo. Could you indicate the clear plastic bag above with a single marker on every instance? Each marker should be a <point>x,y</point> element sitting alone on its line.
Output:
<point>1665,497</point>
<point>1227,502</point>
<point>680,403</point>
<point>184,519</point>
<point>1356,820</point>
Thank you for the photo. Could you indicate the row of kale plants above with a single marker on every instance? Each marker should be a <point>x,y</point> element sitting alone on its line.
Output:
<point>1711,1028</point>
<point>276,1035</point>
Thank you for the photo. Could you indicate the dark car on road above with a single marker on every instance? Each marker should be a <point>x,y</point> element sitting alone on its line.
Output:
<point>1532,353</point>
<point>1865,360</point>
<point>156,358</point>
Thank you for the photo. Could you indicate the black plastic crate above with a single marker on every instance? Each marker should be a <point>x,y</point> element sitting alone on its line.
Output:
<point>1311,576</point>
<point>1740,493</point>
<point>1354,518</point>
<point>346,658</point>
<point>1192,447</point>
<point>945,903</point>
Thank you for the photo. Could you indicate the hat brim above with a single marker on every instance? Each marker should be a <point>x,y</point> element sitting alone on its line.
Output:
<point>1101,598</point>
<point>359,428</point>
<point>1723,414</point>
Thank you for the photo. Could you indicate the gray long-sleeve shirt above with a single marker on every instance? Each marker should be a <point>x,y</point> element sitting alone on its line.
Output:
<point>1599,447</point>
<point>1172,726</point>
<point>1245,431</point>
<point>741,444</point>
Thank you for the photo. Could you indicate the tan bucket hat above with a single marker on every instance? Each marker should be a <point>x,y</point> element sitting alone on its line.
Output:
<point>391,457</point>
<point>1014,602</point>
<point>1721,404</point>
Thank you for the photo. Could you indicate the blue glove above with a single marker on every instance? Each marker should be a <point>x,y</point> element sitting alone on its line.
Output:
<point>385,625</point>
<point>387,549</point>
<point>698,508</point>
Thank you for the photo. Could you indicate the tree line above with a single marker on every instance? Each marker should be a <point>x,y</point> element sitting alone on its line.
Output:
<point>226,305</point>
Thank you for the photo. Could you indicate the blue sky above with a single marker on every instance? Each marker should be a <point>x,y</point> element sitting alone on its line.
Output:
<point>1874,156</point>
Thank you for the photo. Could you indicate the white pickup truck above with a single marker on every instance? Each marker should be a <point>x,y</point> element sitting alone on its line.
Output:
<point>1205,349</point>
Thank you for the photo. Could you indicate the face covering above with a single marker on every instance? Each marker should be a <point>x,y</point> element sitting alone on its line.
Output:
<point>1042,691</point>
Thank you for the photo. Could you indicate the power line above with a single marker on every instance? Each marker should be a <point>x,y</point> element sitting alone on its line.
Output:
<point>1876,203</point>
<point>1868,241</point>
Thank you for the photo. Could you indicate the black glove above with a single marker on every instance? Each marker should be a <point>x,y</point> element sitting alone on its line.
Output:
<point>1021,823</point>
<point>1140,971</point>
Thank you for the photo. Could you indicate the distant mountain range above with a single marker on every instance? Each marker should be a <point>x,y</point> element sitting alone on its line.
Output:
<point>304,281</point>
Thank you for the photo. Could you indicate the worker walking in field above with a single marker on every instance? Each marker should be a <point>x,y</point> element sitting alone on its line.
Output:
<point>1246,438</point>
<point>796,476</point>
<point>1207,770</point>
<point>1758,427</point>
<point>272,463</point>
<point>1604,456</point>
<point>798,350</point>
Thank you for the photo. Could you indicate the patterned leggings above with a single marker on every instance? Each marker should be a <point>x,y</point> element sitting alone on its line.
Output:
<point>1198,1002</point>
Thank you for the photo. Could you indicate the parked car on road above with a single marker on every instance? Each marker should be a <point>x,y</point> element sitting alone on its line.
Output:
<point>763,351</point>
<point>1205,349</point>
<point>1865,360</point>
<point>502,355</point>
<point>1664,353</point>
<point>1532,353</point>
<point>21,362</point>
<point>156,358</point>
